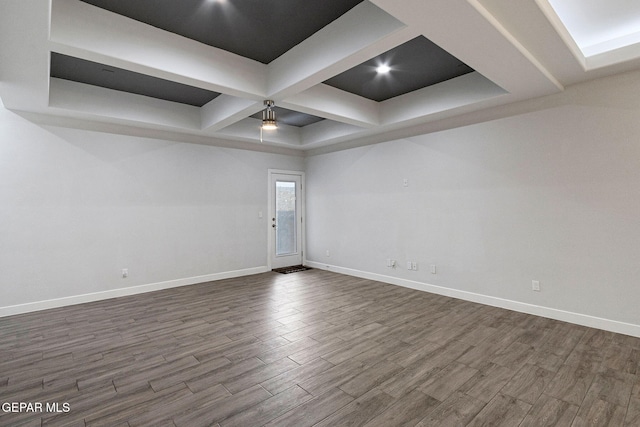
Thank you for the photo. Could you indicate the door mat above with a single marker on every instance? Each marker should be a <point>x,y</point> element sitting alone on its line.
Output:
<point>292,269</point>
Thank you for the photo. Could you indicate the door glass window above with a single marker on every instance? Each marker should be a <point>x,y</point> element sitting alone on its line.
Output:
<point>286,218</point>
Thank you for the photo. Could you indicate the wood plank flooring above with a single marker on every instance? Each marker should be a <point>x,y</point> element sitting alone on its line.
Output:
<point>312,348</point>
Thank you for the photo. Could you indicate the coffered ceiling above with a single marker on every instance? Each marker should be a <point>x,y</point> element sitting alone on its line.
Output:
<point>199,70</point>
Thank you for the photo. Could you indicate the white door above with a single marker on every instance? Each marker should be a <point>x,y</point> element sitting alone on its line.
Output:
<point>285,219</point>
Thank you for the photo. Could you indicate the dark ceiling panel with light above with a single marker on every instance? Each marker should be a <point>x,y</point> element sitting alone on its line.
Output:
<point>292,118</point>
<point>411,66</point>
<point>257,29</point>
<point>93,73</point>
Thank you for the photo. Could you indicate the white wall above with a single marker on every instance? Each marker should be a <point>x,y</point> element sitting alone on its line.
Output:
<point>76,207</point>
<point>552,194</point>
<point>549,194</point>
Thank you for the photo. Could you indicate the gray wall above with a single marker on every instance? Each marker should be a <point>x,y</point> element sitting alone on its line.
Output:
<point>549,194</point>
<point>76,207</point>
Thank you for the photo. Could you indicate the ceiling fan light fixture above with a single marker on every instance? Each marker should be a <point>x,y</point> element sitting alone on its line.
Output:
<point>269,116</point>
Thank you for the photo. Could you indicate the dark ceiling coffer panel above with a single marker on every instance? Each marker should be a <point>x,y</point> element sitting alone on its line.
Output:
<point>93,73</point>
<point>413,65</point>
<point>258,29</point>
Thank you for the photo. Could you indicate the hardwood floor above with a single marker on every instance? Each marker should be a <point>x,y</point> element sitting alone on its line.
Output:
<point>312,348</point>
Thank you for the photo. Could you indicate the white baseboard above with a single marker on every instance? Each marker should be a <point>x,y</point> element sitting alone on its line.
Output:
<point>551,313</point>
<point>115,293</point>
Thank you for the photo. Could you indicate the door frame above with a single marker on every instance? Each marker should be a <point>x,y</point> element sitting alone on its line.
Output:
<point>271,206</point>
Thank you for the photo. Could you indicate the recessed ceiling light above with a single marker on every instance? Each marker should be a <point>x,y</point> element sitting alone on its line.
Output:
<point>383,69</point>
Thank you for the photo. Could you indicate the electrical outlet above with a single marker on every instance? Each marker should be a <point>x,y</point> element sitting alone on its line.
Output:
<point>433,269</point>
<point>409,265</point>
<point>535,285</point>
<point>125,273</point>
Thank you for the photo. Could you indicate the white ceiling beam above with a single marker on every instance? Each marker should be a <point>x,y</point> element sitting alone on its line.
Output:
<point>225,110</point>
<point>88,32</point>
<point>335,104</point>
<point>249,130</point>
<point>557,24</point>
<point>327,132</point>
<point>436,101</point>
<point>359,35</point>
<point>97,101</point>
<point>454,93</point>
<point>469,32</point>
<point>24,57</point>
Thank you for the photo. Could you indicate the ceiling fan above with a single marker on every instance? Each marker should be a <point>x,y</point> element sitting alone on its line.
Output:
<point>268,117</point>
